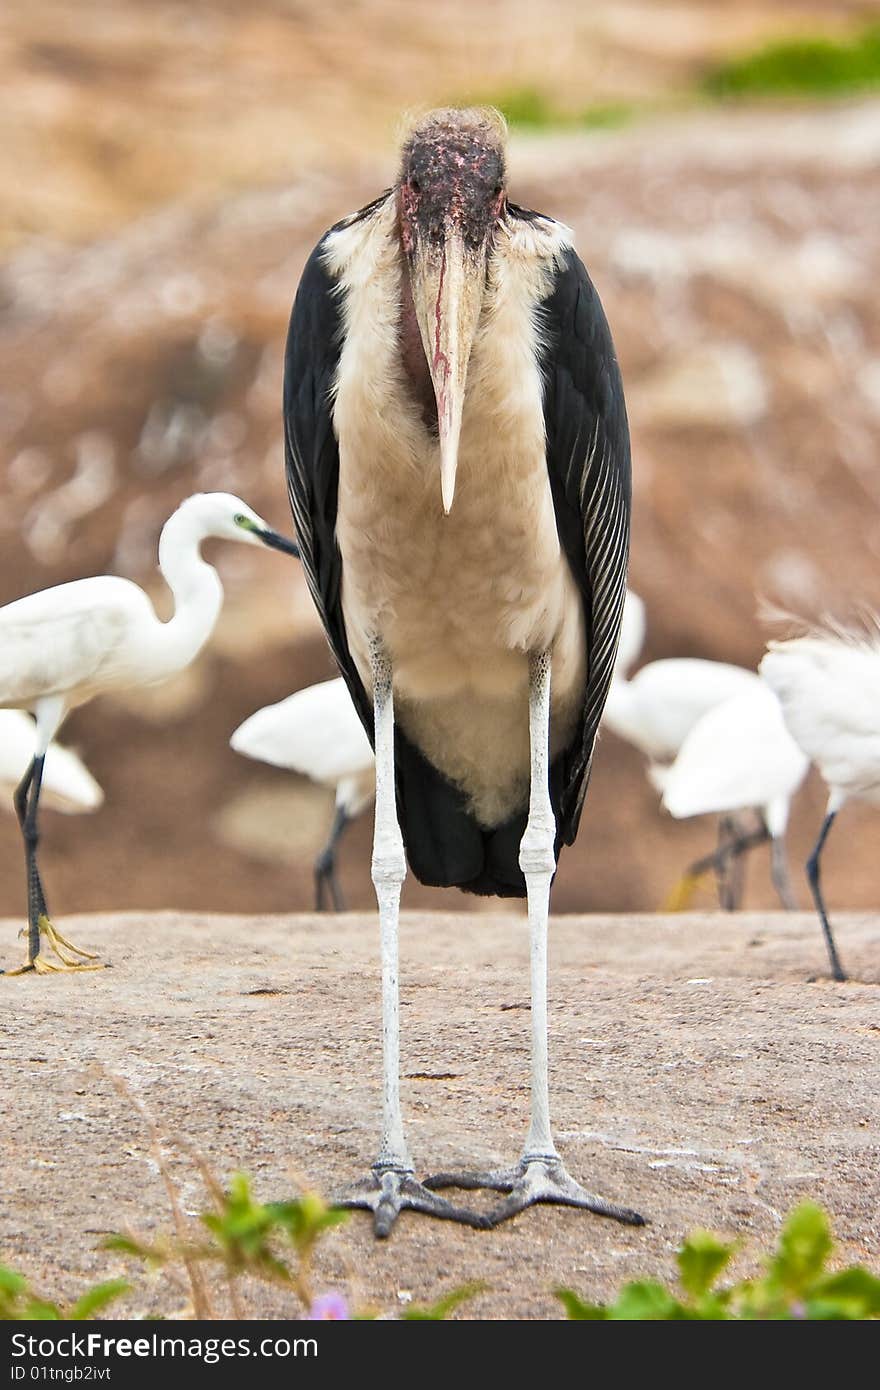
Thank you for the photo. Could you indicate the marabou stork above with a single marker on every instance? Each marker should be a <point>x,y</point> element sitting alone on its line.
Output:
<point>458,465</point>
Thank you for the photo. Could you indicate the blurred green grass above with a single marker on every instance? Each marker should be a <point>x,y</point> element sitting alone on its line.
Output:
<point>529,108</point>
<point>806,66</point>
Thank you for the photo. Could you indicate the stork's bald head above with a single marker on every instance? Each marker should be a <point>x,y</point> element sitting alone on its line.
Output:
<point>450,195</point>
<point>452,175</point>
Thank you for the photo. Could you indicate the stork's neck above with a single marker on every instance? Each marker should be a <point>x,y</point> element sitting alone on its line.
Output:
<point>195,585</point>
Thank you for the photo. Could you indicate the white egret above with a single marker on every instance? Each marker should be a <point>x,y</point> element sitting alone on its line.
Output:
<point>62,646</point>
<point>739,757</point>
<point>316,732</point>
<point>659,706</point>
<point>829,686</point>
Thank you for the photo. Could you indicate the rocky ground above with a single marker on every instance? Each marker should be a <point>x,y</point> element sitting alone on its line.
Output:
<point>704,1070</point>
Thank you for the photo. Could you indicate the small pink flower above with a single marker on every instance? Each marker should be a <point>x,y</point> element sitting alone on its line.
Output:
<point>329,1307</point>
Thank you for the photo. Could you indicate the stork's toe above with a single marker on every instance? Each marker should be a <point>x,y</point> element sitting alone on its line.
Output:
<point>534,1180</point>
<point>389,1191</point>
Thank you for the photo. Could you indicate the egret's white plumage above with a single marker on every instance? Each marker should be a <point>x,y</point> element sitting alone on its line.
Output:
<point>67,783</point>
<point>62,646</point>
<point>829,688</point>
<point>739,756</point>
<point>659,706</point>
<point>316,732</point>
<point>828,684</point>
<point>632,635</point>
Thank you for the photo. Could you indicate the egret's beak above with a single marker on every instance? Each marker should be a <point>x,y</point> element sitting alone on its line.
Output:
<point>277,542</point>
<point>448,280</point>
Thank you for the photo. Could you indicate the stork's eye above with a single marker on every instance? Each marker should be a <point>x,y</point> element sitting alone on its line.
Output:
<point>241,520</point>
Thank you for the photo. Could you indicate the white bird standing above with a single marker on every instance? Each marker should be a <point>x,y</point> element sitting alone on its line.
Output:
<point>62,646</point>
<point>458,466</point>
<point>317,732</point>
<point>655,711</point>
<point>68,785</point>
<point>829,686</point>
<point>739,757</point>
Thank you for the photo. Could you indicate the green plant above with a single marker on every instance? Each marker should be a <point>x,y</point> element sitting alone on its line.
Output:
<point>245,1237</point>
<point>805,65</point>
<point>528,108</point>
<point>18,1301</point>
<point>795,1285</point>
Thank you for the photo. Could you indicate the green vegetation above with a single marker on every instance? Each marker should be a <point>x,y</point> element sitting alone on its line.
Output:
<point>273,1242</point>
<point>814,66</point>
<point>528,108</point>
<point>795,1286</point>
<point>19,1302</point>
<point>807,65</point>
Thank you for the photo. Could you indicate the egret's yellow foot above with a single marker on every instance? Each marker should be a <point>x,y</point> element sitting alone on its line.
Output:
<point>59,944</point>
<point>682,894</point>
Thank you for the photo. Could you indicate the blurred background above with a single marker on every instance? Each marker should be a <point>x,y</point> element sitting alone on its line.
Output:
<point>165,170</point>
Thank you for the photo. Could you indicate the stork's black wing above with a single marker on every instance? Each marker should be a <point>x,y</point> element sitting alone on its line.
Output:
<point>588,459</point>
<point>312,454</point>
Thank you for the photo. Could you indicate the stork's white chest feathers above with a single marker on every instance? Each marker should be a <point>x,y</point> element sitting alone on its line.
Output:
<point>458,600</point>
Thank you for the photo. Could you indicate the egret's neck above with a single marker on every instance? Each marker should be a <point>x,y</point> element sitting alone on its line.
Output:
<point>198,593</point>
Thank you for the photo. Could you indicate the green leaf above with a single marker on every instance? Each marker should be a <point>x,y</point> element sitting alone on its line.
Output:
<point>97,1297</point>
<point>856,1287</point>
<point>804,1245</point>
<point>700,1261</point>
<point>11,1283</point>
<point>436,1312</point>
<point>578,1311</point>
<point>645,1300</point>
<point>38,1311</point>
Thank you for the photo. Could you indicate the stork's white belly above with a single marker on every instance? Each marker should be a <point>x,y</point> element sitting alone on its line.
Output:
<point>458,601</point>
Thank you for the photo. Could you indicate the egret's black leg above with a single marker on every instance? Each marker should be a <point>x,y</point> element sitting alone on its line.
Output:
<point>779,872</point>
<point>392,1187</point>
<point>27,802</point>
<point>837,969</point>
<point>325,865</point>
<point>20,802</point>
<point>727,864</point>
<point>540,1175</point>
<point>681,894</point>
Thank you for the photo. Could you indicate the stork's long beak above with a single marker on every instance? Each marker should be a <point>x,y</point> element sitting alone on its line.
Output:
<point>448,281</point>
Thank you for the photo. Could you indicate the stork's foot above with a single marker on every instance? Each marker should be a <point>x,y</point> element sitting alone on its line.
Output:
<point>389,1191</point>
<point>538,1179</point>
<point>60,946</point>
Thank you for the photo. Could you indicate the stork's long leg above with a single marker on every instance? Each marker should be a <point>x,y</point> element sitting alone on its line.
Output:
<point>837,969</point>
<point>540,1175</point>
<point>391,1187</point>
<point>325,865</point>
